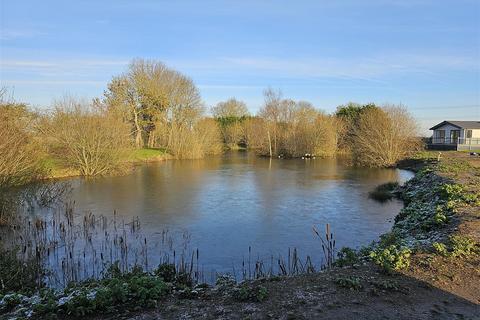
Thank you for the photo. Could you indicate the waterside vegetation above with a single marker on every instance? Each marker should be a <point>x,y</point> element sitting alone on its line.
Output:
<point>153,112</point>
<point>153,106</point>
<point>435,233</point>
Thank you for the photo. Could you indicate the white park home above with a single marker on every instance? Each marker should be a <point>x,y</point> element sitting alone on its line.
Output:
<point>456,135</point>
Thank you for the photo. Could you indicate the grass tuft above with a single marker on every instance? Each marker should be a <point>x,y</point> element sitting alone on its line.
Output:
<point>384,192</point>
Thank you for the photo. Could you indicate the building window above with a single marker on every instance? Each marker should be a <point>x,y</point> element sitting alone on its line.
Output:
<point>440,134</point>
<point>469,134</point>
<point>454,135</point>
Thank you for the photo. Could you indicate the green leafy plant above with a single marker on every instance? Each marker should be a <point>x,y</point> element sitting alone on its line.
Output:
<point>463,246</point>
<point>347,257</point>
<point>440,248</point>
<point>167,271</point>
<point>389,285</point>
<point>458,246</point>
<point>19,276</point>
<point>250,293</point>
<point>393,257</point>
<point>131,290</point>
<point>440,218</point>
<point>455,195</point>
<point>352,283</point>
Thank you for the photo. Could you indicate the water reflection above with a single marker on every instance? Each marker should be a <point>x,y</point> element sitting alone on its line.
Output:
<point>230,203</point>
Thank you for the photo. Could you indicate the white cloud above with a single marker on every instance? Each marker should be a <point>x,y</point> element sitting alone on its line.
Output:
<point>363,68</point>
<point>377,69</point>
<point>79,63</point>
<point>61,69</point>
<point>9,34</point>
<point>52,82</point>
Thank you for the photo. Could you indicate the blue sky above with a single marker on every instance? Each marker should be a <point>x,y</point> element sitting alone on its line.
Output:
<point>424,54</point>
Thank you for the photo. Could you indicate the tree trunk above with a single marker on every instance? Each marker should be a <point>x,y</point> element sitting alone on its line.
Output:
<point>151,139</point>
<point>269,143</point>
<point>138,131</point>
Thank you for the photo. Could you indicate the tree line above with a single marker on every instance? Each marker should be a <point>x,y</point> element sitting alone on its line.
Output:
<point>153,106</point>
<point>374,136</point>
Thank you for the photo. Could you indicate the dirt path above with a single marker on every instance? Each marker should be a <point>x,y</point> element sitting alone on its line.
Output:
<point>319,296</point>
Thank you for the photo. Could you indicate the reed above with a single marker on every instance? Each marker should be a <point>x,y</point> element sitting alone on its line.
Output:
<point>328,245</point>
<point>74,247</point>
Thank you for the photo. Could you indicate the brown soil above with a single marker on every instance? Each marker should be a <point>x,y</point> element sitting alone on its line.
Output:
<point>318,296</point>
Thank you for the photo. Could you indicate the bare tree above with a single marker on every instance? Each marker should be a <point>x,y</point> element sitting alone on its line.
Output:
<point>384,136</point>
<point>20,154</point>
<point>85,138</point>
<point>149,94</point>
<point>190,142</point>
<point>292,129</point>
<point>230,115</point>
<point>232,108</point>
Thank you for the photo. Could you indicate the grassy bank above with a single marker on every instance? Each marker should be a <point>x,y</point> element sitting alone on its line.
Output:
<point>57,169</point>
<point>426,267</point>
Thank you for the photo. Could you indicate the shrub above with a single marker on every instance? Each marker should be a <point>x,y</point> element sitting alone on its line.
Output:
<point>451,191</point>
<point>390,238</point>
<point>288,128</point>
<point>388,285</point>
<point>439,219</point>
<point>85,137</point>
<point>347,257</point>
<point>166,271</point>
<point>10,301</point>
<point>393,138</point>
<point>458,246</point>
<point>117,291</point>
<point>250,293</point>
<point>20,154</point>
<point>454,194</point>
<point>19,276</point>
<point>384,191</point>
<point>190,141</point>
<point>393,257</point>
<point>352,283</point>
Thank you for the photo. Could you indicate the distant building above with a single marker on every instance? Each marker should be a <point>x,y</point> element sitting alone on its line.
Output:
<point>456,135</point>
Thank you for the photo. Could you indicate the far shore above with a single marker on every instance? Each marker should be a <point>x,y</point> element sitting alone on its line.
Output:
<point>132,158</point>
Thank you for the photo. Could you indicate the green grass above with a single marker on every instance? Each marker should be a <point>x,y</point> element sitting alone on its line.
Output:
<point>57,169</point>
<point>145,154</point>
<point>50,163</point>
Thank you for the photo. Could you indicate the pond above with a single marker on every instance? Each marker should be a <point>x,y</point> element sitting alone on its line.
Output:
<point>240,206</point>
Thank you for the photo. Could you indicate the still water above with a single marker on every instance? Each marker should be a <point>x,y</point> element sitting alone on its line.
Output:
<point>230,203</point>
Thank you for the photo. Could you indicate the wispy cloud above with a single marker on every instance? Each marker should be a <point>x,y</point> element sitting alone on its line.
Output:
<point>10,34</point>
<point>363,68</point>
<point>376,69</point>
<point>53,82</point>
<point>55,70</point>
<point>62,63</point>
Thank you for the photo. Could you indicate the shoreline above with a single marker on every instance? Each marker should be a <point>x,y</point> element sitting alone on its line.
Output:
<point>408,276</point>
<point>131,161</point>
